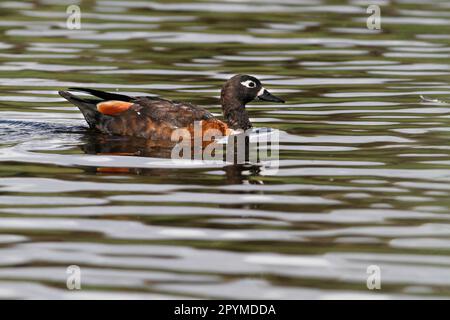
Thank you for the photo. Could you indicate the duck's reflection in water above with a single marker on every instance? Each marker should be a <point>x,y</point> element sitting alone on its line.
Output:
<point>235,173</point>
<point>242,174</point>
<point>127,146</point>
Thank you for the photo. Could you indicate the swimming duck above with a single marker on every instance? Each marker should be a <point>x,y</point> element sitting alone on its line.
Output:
<point>156,118</point>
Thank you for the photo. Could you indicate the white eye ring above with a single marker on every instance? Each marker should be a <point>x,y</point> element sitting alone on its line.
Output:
<point>249,84</point>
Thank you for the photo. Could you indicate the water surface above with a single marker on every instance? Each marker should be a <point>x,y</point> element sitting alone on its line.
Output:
<point>364,175</point>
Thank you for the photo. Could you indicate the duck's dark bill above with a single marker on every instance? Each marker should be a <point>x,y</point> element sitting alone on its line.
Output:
<point>267,96</point>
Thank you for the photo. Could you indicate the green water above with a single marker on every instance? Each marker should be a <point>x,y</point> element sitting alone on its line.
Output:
<point>364,160</point>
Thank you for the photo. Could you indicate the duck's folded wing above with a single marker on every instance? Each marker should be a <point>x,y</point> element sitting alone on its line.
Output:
<point>177,114</point>
<point>152,119</point>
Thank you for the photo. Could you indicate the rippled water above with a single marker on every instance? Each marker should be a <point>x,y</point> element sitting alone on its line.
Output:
<point>364,174</point>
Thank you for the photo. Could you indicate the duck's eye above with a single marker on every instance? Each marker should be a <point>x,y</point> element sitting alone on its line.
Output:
<point>249,84</point>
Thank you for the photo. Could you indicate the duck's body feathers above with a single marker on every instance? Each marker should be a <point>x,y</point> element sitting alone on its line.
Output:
<point>145,117</point>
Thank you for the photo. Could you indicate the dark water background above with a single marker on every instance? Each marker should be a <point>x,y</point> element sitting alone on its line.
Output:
<point>364,161</point>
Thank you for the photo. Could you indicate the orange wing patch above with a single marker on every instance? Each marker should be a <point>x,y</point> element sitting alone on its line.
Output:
<point>112,108</point>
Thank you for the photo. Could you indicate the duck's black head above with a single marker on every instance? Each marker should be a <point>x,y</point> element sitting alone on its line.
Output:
<point>236,93</point>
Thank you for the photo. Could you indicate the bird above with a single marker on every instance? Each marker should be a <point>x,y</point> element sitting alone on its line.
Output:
<point>155,118</point>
